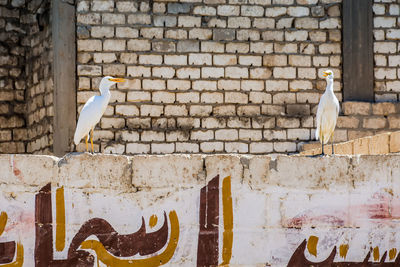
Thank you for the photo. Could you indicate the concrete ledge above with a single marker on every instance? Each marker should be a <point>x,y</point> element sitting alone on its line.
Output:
<point>379,144</point>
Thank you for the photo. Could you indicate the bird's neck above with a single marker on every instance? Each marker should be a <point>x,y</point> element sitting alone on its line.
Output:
<point>329,85</point>
<point>104,90</point>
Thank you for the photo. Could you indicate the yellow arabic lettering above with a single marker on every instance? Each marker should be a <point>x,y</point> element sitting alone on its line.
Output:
<point>343,250</point>
<point>110,260</point>
<point>228,220</point>
<point>392,253</point>
<point>376,253</point>
<point>3,221</point>
<point>153,221</point>
<point>60,219</point>
<point>312,245</point>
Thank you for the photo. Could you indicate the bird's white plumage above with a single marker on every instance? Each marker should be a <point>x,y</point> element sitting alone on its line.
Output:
<point>93,110</point>
<point>327,112</point>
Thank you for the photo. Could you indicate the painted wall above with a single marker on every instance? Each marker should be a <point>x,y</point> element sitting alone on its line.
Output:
<point>106,210</point>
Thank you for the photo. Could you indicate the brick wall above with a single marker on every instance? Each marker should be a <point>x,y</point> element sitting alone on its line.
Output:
<point>39,92</point>
<point>26,89</point>
<point>386,49</point>
<point>12,78</point>
<point>208,76</point>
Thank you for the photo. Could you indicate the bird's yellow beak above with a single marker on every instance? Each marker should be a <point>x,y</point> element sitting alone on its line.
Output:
<point>326,74</point>
<point>117,80</point>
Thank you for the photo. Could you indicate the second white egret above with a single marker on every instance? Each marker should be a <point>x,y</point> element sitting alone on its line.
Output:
<point>93,110</point>
<point>327,113</point>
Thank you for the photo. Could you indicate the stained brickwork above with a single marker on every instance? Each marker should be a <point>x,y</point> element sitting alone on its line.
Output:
<point>26,88</point>
<point>387,49</point>
<point>208,76</point>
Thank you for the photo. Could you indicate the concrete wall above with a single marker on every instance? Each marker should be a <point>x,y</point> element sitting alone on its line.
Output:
<point>199,210</point>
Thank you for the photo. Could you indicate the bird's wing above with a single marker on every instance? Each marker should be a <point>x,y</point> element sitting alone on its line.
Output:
<point>90,115</point>
<point>321,106</point>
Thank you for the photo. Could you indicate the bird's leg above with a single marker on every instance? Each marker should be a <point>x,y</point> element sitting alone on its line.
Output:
<point>322,145</point>
<point>333,151</point>
<point>91,140</point>
<point>86,142</point>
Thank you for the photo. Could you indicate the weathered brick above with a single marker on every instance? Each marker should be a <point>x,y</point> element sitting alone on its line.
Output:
<point>200,34</point>
<point>284,72</point>
<point>189,21</point>
<point>211,123</point>
<point>356,108</point>
<point>374,123</point>
<point>285,146</point>
<point>212,72</point>
<point>236,72</point>
<point>236,147</point>
<point>102,32</point>
<point>208,46</point>
<point>175,59</point>
<point>136,71</point>
<point>139,19</point>
<point>191,97</point>
<point>252,85</point>
<point>150,59</point>
<point>162,148</point>
<point>276,85</point>
<point>274,135</point>
<point>152,33</point>
<point>138,96</point>
<point>115,123</point>
<point>263,23</point>
<point>174,136</point>
<point>127,110</point>
<point>89,45</point>
<point>201,111</point>
<point>102,5</point>
<point>288,122</point>
<point>150,136</point>
<point>188,46</point>
<point>225,110</point>
<point>163,46</point>
<point>178,34</point>
<point>163,97</point>
<point>126,6</point>
<point>236,97</point>
<point>188,73</point>
<point>137,148</point>
<point>298,11</point>
<point>151,110</point>
<point>237,47</point>
<point>113,19</point>
<point>187,147</point>
<point>211,147</point>
<point>212,98</point>
<point>275,11</point>
<point>139,45</point>
<point>205,11</point>
<point>165,21</point>
<point>163,72</point>
<point>226,134</point>
<point>188,123</point>
<point>204,85</point>
<point>260,97</point>
<point>248,110</point>
<point>239,22</point>
<point>178,85</point>
<point>228,10</point>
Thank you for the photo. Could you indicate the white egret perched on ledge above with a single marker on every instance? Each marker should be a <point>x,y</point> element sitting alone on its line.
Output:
<point>327,113</point>
<point>93,110</point>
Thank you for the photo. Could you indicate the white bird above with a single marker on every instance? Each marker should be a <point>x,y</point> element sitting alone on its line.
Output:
<point>93,110</point>
<point>327,113</point>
